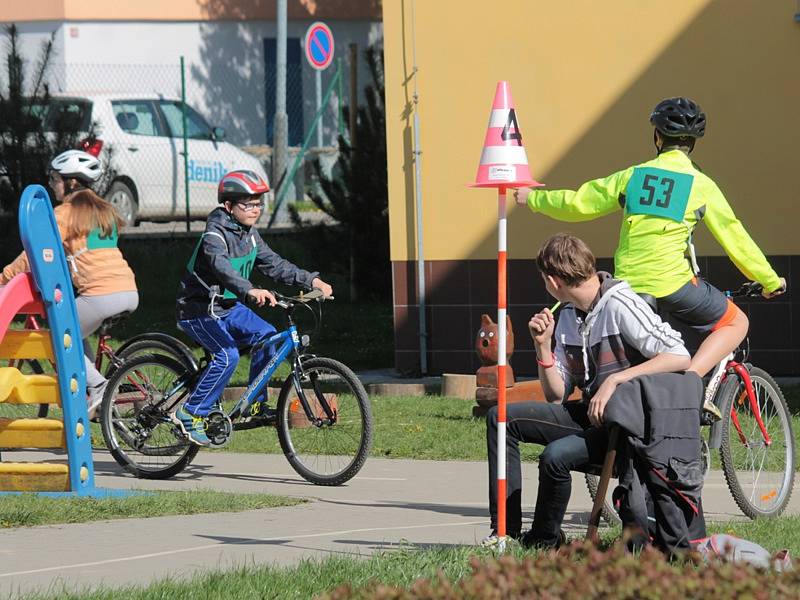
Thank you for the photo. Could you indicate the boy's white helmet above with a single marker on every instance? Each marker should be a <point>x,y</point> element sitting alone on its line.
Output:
<point>78,164</point>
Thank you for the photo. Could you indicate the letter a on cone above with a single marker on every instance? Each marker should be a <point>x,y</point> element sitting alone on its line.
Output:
<point>504,162</point>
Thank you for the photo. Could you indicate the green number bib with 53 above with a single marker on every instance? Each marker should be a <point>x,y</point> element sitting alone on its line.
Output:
<point>658,192</point>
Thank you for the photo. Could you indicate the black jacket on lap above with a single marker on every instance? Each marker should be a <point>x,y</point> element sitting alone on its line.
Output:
<point>659,461</point>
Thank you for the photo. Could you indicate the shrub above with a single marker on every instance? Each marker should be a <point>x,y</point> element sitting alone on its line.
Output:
<point>582,571</point>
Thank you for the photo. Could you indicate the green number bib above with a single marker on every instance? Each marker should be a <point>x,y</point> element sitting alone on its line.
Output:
<point>243,264</point>
<point>659,193</point>
<point>95,239</point>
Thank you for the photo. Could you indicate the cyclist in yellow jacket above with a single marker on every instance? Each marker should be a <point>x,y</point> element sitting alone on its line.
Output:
<point>662,201</point>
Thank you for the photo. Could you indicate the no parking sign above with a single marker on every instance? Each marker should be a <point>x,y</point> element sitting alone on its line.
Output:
<point>319,46</point>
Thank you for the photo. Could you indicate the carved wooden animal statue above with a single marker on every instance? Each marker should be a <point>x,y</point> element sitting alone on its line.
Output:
<point>486,347</point>
<point>486,340</point>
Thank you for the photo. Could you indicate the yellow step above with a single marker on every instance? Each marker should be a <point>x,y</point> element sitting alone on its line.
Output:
<point>24,343</point>
<point>34,477</point>
<point>17,388</point>
<point>32,433</point>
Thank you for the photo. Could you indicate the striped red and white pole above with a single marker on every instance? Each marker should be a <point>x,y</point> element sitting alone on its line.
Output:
<point>504,165</point>
<point>502,310</point>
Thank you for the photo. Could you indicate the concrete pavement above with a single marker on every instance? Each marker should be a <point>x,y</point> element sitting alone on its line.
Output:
<point>390,502</point>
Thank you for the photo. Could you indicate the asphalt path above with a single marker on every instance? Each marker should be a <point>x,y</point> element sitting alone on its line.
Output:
<point>390,503</point>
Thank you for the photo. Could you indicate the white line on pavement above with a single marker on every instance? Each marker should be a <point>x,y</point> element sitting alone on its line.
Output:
<point>217,545</point>
<point>284,476</point>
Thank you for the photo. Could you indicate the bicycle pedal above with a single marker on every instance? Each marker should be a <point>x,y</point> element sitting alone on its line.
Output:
<point>219,429</point>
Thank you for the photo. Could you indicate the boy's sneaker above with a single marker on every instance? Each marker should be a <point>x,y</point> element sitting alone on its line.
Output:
<point>493,540</point>
<point>193,426</point>
<point>711,413</point>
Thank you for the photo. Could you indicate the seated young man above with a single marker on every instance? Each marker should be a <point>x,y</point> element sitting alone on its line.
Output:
<point>606,335</point>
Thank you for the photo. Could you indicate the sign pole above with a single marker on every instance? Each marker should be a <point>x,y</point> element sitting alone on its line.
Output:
<point>318,79</point>
<point>319,47</point>
<point>502,309</point>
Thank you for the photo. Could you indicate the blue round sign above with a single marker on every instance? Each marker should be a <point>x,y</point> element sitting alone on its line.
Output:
<point>319,45</point>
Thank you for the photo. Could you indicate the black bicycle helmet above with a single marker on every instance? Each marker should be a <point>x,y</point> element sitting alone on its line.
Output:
<point>679,117</point>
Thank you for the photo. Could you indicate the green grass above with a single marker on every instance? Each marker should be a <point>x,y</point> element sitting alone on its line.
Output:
<point>418,427</point>
<point>26,510</point>
<point>397,567</point>
<point>422,427</point>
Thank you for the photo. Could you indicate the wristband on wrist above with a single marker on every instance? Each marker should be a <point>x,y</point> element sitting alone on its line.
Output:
<point>546,365</point>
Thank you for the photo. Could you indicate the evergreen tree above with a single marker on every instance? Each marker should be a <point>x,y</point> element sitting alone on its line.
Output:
<point>25,147</point>
<point>356,194</point>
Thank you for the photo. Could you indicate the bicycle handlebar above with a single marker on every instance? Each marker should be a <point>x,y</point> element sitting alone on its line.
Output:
<point>750,289</point>
<point>287,302</point>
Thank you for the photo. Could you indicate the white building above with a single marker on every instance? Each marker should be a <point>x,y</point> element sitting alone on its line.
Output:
<point>228,47</point>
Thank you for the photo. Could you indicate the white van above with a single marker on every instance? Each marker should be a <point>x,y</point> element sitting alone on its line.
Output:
<point>142,136</point>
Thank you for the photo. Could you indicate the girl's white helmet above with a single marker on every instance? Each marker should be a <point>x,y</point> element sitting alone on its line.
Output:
<point>78,164</point>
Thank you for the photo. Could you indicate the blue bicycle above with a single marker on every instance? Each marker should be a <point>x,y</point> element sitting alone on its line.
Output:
<point>324,419</point>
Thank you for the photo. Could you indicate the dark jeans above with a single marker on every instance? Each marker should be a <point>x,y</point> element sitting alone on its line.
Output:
<point>571,444</point>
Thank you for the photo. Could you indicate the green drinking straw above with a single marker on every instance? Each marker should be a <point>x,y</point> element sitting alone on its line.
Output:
<point>555,307</point>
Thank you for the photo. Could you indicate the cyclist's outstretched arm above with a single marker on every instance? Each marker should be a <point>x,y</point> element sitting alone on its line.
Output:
<point>595,198</point>
<point>738,245</point>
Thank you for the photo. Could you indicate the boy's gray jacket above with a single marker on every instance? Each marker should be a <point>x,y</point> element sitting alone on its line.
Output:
<point>223,241</point>
<point>618,332</point>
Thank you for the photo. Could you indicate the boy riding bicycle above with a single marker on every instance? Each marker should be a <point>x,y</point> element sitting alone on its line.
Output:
<point>663,200</point>
<point>211,296</point>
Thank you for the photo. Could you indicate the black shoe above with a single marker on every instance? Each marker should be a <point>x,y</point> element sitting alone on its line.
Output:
<point>529,541</point>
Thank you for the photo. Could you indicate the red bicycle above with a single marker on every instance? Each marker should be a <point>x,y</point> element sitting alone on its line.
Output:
<point>755,437</point>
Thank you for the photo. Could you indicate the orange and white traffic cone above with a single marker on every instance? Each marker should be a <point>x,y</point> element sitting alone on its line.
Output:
<point>504,163</point>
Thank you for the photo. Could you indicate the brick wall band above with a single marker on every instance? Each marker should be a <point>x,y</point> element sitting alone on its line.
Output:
<point>459,291</point>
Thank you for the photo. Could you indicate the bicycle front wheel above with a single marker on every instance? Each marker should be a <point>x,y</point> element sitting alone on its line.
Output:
<point>759,470</point>
<point>330,446</point>
<point>136,417</point>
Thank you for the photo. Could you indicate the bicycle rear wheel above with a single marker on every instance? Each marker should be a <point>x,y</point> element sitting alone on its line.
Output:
<point>158,343</point>
<point>25,411</point>
<point>136,421</point>
<point>609,514</point>
<point>759,476</point>
<point>325,450</point>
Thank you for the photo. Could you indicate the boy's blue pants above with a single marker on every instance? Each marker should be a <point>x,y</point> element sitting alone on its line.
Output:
<point>223,337</point>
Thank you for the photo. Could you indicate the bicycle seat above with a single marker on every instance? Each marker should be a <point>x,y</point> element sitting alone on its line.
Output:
<point>109,323</point>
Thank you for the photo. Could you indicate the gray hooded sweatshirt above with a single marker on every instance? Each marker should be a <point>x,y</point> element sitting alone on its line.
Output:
<point>619,331</point>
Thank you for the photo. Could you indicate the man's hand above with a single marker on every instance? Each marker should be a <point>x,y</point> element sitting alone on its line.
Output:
<point>521,195</point>
<point>262,297</point>
<point>597,405</point>
<point>541,327</point>
<point>778,292</point>
<point>326,289</point>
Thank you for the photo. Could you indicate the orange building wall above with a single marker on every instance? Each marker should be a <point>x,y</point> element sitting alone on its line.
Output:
<point>585,76</point>
<point>185,10</point>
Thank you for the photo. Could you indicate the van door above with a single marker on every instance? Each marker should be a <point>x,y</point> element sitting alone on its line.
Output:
<point>208,158</point>
<point>139,135</point>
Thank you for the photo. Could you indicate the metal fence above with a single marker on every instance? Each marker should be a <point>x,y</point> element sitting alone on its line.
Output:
<point>135,117</point>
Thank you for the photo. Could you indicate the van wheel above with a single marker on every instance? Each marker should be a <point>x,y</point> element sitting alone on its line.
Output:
<point>122,198</point>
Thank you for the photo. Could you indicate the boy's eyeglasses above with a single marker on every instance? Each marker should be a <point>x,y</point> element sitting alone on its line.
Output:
<point>248,206</point>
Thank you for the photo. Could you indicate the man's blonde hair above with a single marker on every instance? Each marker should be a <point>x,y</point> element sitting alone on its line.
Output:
<point>568,258</point>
